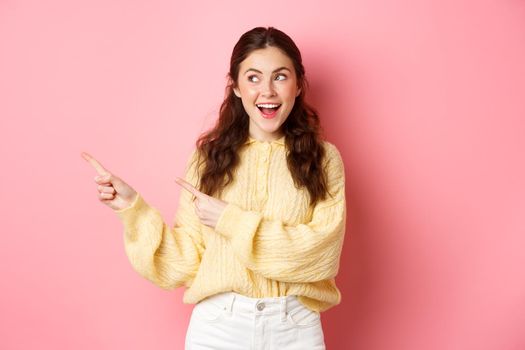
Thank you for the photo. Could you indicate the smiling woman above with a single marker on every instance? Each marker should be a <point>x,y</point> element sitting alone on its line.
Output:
<point>260,225</point>
<point>266,91</point>
<point>265,101</point>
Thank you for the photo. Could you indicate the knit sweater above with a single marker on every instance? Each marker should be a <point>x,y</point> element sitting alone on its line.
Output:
<point>267,242</point>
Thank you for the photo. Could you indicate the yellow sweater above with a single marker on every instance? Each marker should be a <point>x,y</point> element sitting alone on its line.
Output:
<point>267,242</point>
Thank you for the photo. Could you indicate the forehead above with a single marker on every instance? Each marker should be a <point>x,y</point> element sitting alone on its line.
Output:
<point>266,59</point>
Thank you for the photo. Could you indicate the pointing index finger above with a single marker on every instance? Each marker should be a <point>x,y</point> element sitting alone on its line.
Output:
<point>98,167</point>
<point>187,186</point>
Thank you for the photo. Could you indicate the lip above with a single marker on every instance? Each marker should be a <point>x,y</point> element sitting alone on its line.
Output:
<point>269,116</point>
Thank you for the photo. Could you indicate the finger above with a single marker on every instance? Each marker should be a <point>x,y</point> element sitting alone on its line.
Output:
<point>105,195</point>
<point>98,167</point>
<point>103,179</point>
<point>198,204</point>
<point>186,185</point>
<point>197,211</point>
<point>106,189</point>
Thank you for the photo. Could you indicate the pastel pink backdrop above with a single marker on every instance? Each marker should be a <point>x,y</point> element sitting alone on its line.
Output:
<point>424,99</point>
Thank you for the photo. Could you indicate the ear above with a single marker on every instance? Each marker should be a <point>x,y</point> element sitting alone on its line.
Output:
<point>234,88</point>
<point>298,92</point>
<point>236,92</point>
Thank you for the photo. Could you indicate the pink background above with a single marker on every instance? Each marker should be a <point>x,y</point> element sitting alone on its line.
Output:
<point>424,99</point>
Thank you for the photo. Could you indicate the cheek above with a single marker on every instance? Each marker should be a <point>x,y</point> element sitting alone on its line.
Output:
<point>247,94</point>
<point>248,99</point>
<point>251,92</point>
<point>288,92</point>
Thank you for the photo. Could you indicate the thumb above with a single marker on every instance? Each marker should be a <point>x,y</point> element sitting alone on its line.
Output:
<point>115,181</point>
<point>120,186</point>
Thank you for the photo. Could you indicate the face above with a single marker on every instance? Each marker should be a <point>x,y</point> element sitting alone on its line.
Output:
<point>267,86</point>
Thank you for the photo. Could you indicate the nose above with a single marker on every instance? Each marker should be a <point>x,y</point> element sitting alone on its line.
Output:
<point>268,89</point>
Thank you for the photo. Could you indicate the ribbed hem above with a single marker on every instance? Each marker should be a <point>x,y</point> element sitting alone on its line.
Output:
<point>137,205</point>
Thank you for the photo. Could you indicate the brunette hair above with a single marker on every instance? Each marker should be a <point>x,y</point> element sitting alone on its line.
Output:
<point>217,148</point>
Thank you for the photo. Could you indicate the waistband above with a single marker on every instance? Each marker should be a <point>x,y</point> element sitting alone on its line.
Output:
<point>235,302</point>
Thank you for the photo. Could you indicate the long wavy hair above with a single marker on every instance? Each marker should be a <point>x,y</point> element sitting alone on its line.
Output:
<point>218,147</point>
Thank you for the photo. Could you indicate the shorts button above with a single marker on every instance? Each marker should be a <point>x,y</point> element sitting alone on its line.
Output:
<point>260,306</point>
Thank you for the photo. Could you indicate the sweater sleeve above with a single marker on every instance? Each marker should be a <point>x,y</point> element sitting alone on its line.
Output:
<point>167,256</point>
<point>307,252</point>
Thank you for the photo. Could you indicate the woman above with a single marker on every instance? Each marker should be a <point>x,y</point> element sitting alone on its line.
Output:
<point>259,228</point>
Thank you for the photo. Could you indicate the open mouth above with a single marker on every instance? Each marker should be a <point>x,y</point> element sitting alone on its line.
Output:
<point>268,109</point>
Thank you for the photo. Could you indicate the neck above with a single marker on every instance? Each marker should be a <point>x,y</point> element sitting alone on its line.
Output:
<point>262,139</point>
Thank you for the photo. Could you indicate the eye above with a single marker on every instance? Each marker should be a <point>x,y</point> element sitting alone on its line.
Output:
<point>281,75</point>
<point>250,78</point>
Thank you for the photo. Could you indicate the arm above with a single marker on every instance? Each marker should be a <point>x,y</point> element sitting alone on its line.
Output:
<point>307,252</point>
<point>168,257</point>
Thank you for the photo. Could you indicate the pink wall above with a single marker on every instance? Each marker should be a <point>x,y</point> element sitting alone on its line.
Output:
<point>423,98</point>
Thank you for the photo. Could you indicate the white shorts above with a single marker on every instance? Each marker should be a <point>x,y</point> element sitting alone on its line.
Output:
<point>232,321</point>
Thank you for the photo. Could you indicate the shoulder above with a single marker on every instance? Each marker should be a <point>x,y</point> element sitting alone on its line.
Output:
<point>194,164</point>
<point>332,154</point>
<point>333,164</point>
<point>329,146</point>
<point>334,171</point>
<point>192,158</point>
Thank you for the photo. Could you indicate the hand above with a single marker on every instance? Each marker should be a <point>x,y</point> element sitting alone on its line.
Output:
<point>113,192</point>
<point>207,208</point>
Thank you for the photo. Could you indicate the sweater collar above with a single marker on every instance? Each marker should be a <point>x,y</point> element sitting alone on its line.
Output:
<point>279,141</point>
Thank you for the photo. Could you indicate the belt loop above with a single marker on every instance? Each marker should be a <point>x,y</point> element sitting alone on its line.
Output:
<point>229,306</point>
<point>284,312</point>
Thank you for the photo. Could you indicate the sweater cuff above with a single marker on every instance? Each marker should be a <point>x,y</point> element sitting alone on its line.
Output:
<point>137,206</point>
<point>235,221</point>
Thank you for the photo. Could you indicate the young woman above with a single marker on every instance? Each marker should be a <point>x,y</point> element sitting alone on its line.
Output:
<point>260,224</point>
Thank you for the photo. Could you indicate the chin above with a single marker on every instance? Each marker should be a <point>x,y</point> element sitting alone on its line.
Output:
<point>272,130</point>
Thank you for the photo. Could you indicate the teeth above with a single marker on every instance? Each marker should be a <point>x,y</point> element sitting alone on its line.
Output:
<point>268,105</point>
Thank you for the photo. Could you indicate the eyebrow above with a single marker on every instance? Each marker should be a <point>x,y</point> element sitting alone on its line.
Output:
<point>258,71</point>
